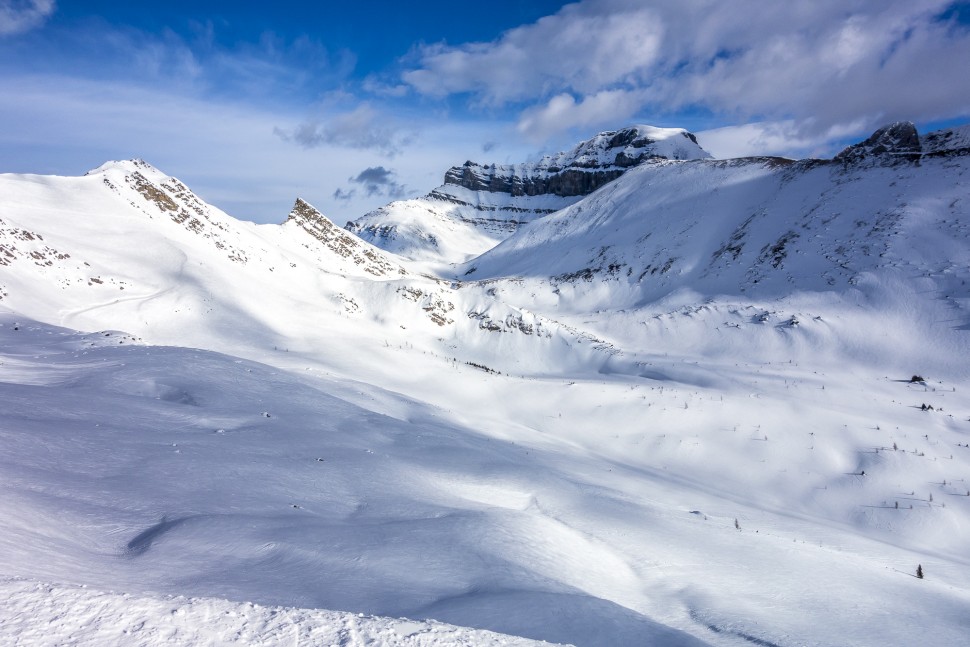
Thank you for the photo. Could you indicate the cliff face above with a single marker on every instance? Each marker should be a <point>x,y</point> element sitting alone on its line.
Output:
<point>582,170</point>
<point>568,182</point>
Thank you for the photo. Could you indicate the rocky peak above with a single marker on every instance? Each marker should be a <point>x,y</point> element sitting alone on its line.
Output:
<point>342,243</point>
<point>889,145</point>
<point>304,212</point>
<point>584,168</point>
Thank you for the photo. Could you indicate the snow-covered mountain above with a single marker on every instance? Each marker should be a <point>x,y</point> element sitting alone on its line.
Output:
<point>710,402</point>
<point>757,226</point>
<point>480,204</point>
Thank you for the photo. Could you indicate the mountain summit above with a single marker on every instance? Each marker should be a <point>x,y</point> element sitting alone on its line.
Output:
<point>481,204</point>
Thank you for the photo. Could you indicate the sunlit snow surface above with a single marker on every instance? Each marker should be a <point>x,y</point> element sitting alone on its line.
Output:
<point>255,418</point>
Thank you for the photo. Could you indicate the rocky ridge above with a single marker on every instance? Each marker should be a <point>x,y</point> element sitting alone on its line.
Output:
<point>481,204</point>
<point>371,260</point>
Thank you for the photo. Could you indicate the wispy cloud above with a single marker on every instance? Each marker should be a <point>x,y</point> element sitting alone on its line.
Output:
<point>19,16</point>
<point>364,127</point>
<point>785,138</point>
<point>379,181</point>
<point>268,69</point>
<point>344,195</point>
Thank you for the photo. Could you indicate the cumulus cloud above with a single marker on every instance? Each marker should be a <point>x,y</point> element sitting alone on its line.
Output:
<point>379,181</point>
<point>562,112</point>
<point>581,48</point>
<point>361,128</point>
<point>19,16</point>
<point>817,66</point>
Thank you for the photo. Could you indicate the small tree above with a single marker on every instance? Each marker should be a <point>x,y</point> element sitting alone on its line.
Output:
<point>919,571</point>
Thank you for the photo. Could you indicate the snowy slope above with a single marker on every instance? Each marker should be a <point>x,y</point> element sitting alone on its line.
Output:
<point>171,471</point>
<point>479,205</point>
<point>763,226</point>
<point>37,613</point>
<point>883,232</point>
<point>128,247</point>
<point>727,451</point>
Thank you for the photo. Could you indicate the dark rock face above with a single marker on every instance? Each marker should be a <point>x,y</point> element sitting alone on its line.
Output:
<point>567,182</point>
<point>893,144</point>
<point>579,172</point>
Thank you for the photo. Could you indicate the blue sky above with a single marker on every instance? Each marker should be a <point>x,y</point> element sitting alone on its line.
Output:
<point>351,105</point>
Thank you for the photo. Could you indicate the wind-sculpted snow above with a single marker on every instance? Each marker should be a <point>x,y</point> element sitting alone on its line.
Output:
<point>714,402</point>
<point>47,614</point>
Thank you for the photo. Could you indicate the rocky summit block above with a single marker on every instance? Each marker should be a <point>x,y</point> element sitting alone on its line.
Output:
<point>584,168</point>
<point>892,144</point>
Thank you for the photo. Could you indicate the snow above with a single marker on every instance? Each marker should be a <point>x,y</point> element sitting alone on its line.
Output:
<point>948,139</point>
<point>454,223</point>
<point>238,427</point>
<point>39,613</point>
<point>668,143</point>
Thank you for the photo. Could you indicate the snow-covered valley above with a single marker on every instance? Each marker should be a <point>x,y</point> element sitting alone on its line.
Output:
<point>691,407</point>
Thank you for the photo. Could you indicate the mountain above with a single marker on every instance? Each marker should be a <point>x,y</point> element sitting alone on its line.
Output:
<point>756,226</point>
<point>479,205</point>
<point>710,402</point>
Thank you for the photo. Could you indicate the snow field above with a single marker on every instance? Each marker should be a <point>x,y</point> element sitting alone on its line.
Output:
<point>705,456</point>
<point>37,613</point>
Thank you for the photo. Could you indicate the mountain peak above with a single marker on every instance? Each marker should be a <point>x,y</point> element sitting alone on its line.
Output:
<point>585,167</point>
<point>630,146</point>
<point>481,204</point>
<point>127,166</point>
<point>310,220</point>
<point>889,144</point>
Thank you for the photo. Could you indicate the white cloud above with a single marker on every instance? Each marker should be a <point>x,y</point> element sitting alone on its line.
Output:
<point>785,138</point>
<point>579,49</point>
<point>562,112</point>
<point>817,65</point>
<point>19,16</point>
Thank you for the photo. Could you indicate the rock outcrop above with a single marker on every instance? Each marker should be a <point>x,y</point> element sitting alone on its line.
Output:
<point>892,144</point>
<point>371,260</point>
<point>948,142</point>
<point>582,170</point>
